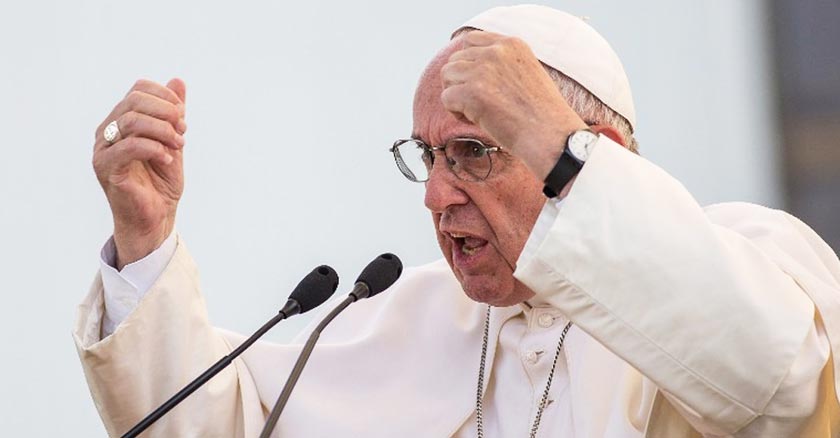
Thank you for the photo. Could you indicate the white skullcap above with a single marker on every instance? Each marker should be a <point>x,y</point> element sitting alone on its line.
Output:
<point>567,44</point>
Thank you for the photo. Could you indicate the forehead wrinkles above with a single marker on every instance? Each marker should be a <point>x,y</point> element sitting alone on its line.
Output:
<point>430,117</point>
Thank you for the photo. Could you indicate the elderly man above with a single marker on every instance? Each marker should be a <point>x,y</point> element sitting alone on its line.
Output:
<point>616,306</point>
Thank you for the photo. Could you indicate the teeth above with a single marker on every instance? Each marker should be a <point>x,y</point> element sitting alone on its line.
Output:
<point>469,240</point>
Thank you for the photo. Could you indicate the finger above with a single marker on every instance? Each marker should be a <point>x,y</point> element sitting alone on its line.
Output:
<point>454,99</point>
<point>481,38</point>
<point>134,124</point>
<point>454,73</point>
<point>178,86</point>
<point>124,152</point>
<point>156,89</point>
<point>472,53</point>
<point>147,87</point>
<point>148,104</point>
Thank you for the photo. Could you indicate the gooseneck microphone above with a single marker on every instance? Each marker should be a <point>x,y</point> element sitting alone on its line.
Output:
<point>311,292</point>
<point>377,276</point>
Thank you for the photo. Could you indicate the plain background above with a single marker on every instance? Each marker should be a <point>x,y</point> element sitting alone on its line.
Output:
<point>291,109</point>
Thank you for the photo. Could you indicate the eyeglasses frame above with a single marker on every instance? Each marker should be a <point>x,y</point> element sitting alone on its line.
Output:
<point>432,149</point>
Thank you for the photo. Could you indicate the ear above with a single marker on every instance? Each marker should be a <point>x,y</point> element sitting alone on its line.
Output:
<point>610,132</point>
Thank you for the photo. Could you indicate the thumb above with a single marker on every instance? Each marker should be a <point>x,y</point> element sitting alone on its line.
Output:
<point>179,87</point>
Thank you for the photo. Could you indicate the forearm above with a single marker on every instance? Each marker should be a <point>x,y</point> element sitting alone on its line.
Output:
<point>698,308</point>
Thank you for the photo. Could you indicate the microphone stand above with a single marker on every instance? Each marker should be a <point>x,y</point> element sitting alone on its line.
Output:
<point>360,291</point>
<point>291,308</point>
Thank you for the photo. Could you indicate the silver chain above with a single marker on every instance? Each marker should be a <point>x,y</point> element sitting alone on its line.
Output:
<point>479,407</point>
<point>479,416</point>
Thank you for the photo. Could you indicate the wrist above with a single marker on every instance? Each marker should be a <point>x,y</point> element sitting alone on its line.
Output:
<point>579,145</point>
<point>540,149</point>
<point>132,245</point>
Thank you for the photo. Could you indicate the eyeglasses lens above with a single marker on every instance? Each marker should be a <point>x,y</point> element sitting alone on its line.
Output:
<point>468,159</point>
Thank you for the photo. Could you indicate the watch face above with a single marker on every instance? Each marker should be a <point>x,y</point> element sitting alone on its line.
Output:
<point>580,144</point>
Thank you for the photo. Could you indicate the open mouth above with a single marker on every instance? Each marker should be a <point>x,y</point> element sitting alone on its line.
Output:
<point>468,244</point>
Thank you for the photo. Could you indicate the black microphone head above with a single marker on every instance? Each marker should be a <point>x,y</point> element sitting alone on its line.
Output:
<point>315,288</point>
<point>381,273</point>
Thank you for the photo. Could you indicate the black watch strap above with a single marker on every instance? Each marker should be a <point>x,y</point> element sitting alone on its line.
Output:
<point>563,172</point>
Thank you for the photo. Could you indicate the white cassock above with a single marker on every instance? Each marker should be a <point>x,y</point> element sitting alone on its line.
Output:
<point>688,322</point>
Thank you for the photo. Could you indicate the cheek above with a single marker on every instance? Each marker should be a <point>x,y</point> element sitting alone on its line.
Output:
<point>506,207</point>
<point>532,205</point>
<point>521,203</point>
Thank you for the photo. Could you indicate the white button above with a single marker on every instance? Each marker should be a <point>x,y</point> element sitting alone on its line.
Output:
<point>532,356</point>
<point>545,320</point>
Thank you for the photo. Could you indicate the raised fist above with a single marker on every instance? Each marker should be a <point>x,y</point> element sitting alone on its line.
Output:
<point>138,159</point>
<point>496,82</point>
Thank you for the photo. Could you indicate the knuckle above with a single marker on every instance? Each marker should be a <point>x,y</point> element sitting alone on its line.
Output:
<point>450,98</point>
<point>172,114</point>
<point>169,133</point>
<point>446,97</point>
<point>129,121</point>
<point>134,98</point>
<point>140,84</point>
<point>521,46</point>
<point>511,41</point>
<point>474,36</point>
<point>510,45</point>
<point>130,144</point>
<point>496,52</point>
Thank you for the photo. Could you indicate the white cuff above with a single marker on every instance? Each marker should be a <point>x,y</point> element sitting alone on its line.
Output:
<point>124,289</point>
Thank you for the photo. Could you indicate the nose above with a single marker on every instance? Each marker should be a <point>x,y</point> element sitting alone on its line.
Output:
<point>443,188</point>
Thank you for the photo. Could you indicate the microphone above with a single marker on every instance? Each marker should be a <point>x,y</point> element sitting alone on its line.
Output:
<point>311,292</point>
<point>377,276</point>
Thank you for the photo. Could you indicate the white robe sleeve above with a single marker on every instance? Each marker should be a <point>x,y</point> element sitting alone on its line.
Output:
<point>700,302</point>
<point>124,289</point>
<point>159,347</point>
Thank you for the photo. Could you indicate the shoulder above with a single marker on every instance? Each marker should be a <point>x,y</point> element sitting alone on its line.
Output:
<point>780,235</point>
<point>757,222</point>
<point>751,220</point>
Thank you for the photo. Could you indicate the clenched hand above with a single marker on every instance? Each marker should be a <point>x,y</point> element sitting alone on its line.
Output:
<point>496,82</point>
<point>141,172</point>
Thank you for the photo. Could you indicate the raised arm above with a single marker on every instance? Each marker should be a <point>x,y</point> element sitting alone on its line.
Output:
<point>711,305</point>
<point>164,340</point>
<point>713,308</point>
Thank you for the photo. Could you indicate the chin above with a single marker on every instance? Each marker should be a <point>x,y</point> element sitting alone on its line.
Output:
<point>497,294</point>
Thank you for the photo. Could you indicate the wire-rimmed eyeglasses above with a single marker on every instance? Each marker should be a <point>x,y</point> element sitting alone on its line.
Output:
<point>467,158</point>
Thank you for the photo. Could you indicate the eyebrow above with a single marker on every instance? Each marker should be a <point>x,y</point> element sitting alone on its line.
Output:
<point>486,140</point>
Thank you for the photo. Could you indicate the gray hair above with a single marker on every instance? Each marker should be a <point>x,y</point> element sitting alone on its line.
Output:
<point>591,109</point>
